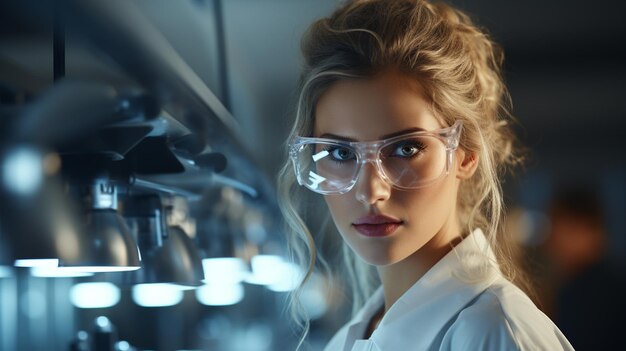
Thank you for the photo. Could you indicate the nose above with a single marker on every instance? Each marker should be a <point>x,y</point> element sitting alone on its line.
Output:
<point>371,187</point>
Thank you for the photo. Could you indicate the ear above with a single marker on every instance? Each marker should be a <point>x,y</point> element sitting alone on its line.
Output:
<point>467,163</point>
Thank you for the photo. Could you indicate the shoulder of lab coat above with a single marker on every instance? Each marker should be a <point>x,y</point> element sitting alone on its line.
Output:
<point>457,305</point>
<point>503,318</point>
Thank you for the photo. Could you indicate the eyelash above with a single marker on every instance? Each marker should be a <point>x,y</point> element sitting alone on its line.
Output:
<point>331,149</point>
<point>419,146</point>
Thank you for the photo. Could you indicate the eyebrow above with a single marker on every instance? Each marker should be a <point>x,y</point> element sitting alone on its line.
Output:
<point>386,136</point>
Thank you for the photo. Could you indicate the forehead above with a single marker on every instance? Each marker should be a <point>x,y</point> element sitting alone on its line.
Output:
<point>366,109</point>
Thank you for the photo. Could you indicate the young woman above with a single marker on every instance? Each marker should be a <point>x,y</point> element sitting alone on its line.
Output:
<point>402,127</point>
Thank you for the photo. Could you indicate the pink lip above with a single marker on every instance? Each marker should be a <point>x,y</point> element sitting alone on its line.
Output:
<point>376,225</point>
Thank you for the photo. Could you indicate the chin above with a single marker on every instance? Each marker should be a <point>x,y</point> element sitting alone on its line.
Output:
<point>376,252</point>
<point>377,256</point>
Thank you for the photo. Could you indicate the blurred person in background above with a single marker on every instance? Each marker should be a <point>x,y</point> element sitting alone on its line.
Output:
<point>403,126</point>
<point>587,299</point>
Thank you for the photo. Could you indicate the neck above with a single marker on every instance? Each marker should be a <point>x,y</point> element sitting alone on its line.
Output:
<point>397,278</point>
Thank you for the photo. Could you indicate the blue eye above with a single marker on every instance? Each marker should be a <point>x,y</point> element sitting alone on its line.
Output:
<point>408,149</point>
<point>341,153</point>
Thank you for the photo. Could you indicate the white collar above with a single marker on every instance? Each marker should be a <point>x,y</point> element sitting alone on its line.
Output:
<point>453,282</point>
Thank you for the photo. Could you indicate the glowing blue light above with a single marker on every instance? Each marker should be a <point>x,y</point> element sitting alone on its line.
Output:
<point>22,170</point>
<point>220,295</point>
<point>103,322</point>
<point>101,269</point>
<point>274,272</point>
<point>157,295</point>
<point>290,277</point>
<point>224,270</point>
<point>264,270</point>
<point>94,295</point>
<point>45,262</point>
<point>122,345</point>
<point>57,272</point>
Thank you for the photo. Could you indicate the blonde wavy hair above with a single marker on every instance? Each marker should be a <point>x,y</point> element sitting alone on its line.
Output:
<point>460,68</point>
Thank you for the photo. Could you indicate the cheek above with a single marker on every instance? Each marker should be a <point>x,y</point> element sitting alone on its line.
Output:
<point>339,207</point>
<point>342,210</point>
<point>429,207</point>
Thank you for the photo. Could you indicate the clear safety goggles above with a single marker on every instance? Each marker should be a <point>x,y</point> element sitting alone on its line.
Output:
<point>409,161</point>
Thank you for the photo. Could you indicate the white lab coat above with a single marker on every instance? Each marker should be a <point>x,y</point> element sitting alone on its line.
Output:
<point>461,303</point>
